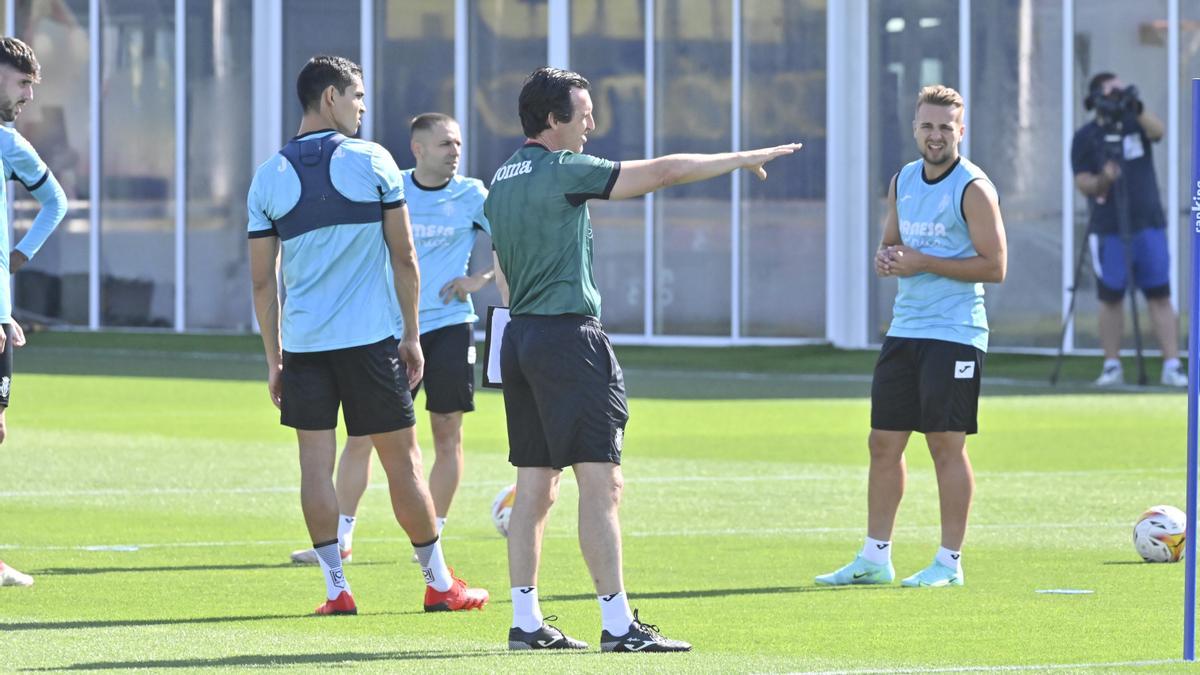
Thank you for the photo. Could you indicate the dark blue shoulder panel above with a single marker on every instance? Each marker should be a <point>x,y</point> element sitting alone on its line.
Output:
<point>320,204</point>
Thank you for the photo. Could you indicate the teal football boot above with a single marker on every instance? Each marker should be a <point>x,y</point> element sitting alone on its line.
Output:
<point>936,575</point>
<point>861,571</point>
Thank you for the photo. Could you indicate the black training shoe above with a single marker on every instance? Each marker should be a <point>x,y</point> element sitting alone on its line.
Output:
<point>545,637</point>
<point>642,637</point>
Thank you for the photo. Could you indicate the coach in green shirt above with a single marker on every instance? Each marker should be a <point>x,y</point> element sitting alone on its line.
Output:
<point>564,394</point>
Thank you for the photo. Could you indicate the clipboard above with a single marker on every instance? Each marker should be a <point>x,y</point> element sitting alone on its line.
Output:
<point>497,321</point>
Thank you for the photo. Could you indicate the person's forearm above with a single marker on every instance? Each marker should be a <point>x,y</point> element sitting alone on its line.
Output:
<point>1153,126</point>
<point>407,279</point>
<point>690,168</point>
<point>266,309</point>
<point>54,208</point>
<point>1093,184</point>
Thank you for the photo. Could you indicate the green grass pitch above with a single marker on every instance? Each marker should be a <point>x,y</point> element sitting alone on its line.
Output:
<point>148,487</point>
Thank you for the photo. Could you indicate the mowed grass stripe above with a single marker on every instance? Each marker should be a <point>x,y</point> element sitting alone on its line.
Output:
<point>732,505</point>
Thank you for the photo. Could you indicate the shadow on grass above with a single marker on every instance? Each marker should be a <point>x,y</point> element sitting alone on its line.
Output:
<point>251,660</point>
<point>198,620</point>
<point>72,571</point>
<point>721,592</point>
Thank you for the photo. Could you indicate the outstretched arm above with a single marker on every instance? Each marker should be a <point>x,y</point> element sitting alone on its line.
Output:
<point>642,176</point>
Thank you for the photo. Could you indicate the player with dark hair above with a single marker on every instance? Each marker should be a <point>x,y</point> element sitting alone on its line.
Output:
<point>331,209</point>
<point>447,213</point>
<point>943,238</point>
<point>19,72</point>
<point>564,394</point>
<point>1101,168</point>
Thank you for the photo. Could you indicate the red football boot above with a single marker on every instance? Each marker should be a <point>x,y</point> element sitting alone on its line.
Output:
<point>342,604</point>
<point>457,598</point>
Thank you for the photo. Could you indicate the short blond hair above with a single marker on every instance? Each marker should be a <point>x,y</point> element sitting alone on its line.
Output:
<point>940,94</point>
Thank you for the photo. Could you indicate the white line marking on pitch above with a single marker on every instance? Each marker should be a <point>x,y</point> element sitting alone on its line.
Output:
<point>716,532</point>
<point>997,669</point>
<point>150,492</point>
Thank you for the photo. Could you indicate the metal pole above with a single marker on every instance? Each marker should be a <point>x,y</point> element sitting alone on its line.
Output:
<point>1189,584</point>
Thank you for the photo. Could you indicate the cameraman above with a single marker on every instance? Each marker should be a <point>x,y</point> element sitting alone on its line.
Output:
<point>1100,167</point>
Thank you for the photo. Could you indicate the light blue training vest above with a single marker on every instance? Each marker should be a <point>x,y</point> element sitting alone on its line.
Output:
<point>931,221</point>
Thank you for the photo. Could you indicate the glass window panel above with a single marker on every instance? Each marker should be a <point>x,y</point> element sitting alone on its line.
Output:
<point>783,218</point>
<point>904,51</point>
<point>219,164</point>
<point>607,47</point>
<point>414,69</point>
<point>1126,39</point>
<point>137,137</point>
<point>692,98</point>
<point>1015,124</point>
<point>311,27</point>
<point>507,41</point>
<point>54,285</point>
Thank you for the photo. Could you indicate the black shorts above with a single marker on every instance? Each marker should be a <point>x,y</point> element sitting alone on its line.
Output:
<point>449,369</point>
<point>926,386</point>
<point>564,393</point>
<point>6,365</point>
<point>368,382</point>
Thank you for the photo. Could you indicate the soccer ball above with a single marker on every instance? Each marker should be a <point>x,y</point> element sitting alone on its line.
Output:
<point>502,509</point>
<point>1160,534</point>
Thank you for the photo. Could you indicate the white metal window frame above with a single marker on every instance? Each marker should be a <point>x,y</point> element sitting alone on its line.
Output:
<point>848,312</point>
<point>847,308</point>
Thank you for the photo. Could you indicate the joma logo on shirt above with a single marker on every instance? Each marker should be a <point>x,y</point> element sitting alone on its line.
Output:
<point>509,170</point>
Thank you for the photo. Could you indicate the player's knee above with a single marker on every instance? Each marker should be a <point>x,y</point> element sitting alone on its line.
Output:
<point>884,448</point>
<point>947,454</point>
<point>358,447</point>
<point>540,500</point>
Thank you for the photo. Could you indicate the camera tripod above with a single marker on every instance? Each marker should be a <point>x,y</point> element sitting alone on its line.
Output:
<point>1113,151</point>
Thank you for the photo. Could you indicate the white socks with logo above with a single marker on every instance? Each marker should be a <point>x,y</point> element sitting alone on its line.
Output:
<point>331,569</point>
<point>877,551</point>
<point>948,558</point>
<point>345,531</point>
<point>527,614</point>
<point>615,613</point>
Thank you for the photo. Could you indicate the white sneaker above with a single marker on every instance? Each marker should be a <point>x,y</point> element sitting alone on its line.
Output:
<point>1112,376</point>
<point>11,577</point>
<point>307,556</point>
<point>1174,377</point>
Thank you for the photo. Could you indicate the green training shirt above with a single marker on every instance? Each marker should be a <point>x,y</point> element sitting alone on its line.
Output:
<point>537,205</point>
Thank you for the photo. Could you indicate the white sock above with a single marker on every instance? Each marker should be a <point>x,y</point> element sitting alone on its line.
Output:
<point>615,614</point>
<point>877,551</point>
<point>1108,363</point>
<point>951,559</point>
<point>331,569</point>
<point>441,525</point>
<point>437,575</point>
<point>1170,365</point>
<point>527,613</point>
<point>345,531</point>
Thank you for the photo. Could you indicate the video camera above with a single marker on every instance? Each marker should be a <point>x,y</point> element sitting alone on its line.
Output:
<point>1118,104</point>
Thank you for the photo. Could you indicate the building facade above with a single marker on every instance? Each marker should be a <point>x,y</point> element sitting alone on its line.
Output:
<point>154,114</point>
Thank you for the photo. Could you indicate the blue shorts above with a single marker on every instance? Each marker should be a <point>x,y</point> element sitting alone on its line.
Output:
<point>1151,266</point>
